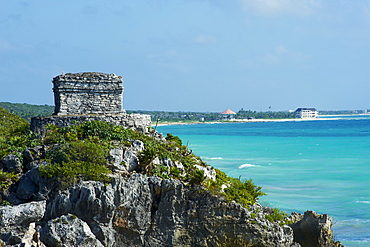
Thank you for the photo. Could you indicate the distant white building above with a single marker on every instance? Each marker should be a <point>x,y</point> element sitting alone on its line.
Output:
<point>306,113</point>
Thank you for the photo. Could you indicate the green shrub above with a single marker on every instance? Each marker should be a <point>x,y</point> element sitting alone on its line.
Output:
<point>174,139</point>
<point>197,176</point>
<point>221,178</point>
<point>175,172</point>
<point>245,193</point>
<point>160,171</point>
<point>147,156</point>
<point>6,179</point>
<point>15,135</point>
<point>69,172</point>
<point>79,159</point>
<point>278,216</point>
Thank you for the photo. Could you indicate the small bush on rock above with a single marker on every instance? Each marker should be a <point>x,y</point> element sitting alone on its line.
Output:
<point>278,216</point>
<point>79,159</point>
<point>245,193</point>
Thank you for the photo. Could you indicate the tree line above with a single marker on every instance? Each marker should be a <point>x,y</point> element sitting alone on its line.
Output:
<point>27,111</point>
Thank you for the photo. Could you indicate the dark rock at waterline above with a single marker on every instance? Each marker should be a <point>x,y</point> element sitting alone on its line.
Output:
<point>313,230</point>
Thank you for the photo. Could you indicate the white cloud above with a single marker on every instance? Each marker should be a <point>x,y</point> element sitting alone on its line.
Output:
<point>205,39</point>
<point>279,7</point>
<point>280,49</point>
<point>270,58</point>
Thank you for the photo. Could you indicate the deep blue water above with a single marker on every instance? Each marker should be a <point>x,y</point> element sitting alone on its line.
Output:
<point>321,165</point>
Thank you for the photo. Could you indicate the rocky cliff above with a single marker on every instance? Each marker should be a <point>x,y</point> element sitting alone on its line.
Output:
<point>137,210</point>
<point>135,207</point>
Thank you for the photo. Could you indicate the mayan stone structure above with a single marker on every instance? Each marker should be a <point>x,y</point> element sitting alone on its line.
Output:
<point>89,96</point>
<point>87,93</point>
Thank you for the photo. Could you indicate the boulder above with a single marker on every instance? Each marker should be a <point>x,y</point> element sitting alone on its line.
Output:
<point>68,230</point>
<point>116,159</point>
<point>131,160</point>
<point>313,230</point>
<point>31,186</point>
<point>26,188</point>
<point>11,163</point>
<point>15,221</point>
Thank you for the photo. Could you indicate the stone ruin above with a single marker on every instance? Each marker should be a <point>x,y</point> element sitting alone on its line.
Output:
<point>87,93</point>
<point>89,96</point>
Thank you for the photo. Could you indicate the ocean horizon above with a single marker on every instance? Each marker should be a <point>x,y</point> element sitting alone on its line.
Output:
<point>322,166</point>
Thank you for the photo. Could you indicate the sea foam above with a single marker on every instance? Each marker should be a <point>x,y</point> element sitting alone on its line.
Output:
<point>246,166</point>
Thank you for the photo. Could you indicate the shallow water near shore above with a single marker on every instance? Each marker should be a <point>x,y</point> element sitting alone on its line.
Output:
<point>322,166</point>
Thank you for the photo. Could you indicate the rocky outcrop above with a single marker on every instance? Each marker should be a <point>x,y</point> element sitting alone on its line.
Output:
<point>126,159</point>
<point>18,223</point>
<point>134,209</point>
<point>313,230</point>
<point>68,230</point>
<point>148,211</point>
<point>138,122</point>
<point>138,210</point>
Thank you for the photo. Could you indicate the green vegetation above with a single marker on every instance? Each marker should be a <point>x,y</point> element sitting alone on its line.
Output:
<point>278,217</point>
<point>6,179</point>
<point>344,112</point>
<point>243,114</point>
<point>28,111</point>
<point>105,134</point>
<point>213,116</point>
<point>164,116</point>
<point>15,135</point>
<point>78,143</point>
<point>77,160</point>
<point>80,152</point>
<point>245,193</point>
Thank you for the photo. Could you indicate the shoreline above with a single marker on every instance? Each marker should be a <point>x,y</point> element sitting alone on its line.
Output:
<point>245,121</point>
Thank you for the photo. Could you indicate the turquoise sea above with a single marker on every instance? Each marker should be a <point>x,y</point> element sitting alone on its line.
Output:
<point>320,165</point>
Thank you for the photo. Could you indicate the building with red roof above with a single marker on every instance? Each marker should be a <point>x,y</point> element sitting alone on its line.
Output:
<point>228,114</point>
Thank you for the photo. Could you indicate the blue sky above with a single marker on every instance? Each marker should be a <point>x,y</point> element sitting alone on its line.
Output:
<point>193,55</point>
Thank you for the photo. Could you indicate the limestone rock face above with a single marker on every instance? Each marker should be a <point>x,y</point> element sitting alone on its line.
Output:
<point>68,230</point>
<point>16,221</point>
<point>117,213</point>
<point>148,211</point>
<point>138,210</point>
<point>197,218</point>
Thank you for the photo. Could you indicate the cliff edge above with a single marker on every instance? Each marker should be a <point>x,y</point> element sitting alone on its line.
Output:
<point>96,184</point>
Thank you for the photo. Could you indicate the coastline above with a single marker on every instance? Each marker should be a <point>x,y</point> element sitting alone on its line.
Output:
<point>245,121</point>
